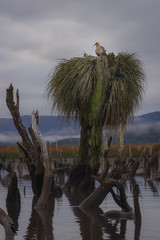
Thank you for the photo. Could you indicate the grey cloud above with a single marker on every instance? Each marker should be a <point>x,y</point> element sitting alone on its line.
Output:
<point>141,128</point>
<point>57,137</point>
<point>9,138</point>
<point>36,34</point>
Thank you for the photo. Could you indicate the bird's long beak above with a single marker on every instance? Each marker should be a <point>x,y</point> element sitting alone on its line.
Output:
<point>94,44</point>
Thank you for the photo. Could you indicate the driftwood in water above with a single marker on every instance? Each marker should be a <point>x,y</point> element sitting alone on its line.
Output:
<point>97,221</point>
<point>8,225</point>
<point>119,215</point>
<point>97,197</point>
<point>122,215</point>
<point>109,180</point>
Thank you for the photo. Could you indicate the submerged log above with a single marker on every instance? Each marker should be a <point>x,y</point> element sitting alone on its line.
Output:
<point>109,180</point>
<point>121,215</point>
<point>97,197</point>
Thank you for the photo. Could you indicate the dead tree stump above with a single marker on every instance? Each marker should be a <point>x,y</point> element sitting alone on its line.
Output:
<point>31,145</point>
<point>47,181</point>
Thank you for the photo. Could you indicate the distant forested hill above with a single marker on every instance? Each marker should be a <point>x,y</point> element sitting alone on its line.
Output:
<point>143,129</point>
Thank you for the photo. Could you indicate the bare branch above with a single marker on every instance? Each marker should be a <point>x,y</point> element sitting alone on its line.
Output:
<point>17,97</point>
<point>14,110</point>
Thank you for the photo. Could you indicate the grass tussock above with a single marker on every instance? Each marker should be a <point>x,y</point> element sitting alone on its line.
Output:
<point>112,84</point>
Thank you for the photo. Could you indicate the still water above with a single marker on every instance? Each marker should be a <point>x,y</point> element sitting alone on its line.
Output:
<point>64,221</point>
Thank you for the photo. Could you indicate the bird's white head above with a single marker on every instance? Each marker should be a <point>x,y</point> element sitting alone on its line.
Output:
<point>96,44</point>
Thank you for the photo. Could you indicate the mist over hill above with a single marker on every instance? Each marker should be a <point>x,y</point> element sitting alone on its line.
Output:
<point>144,129</point>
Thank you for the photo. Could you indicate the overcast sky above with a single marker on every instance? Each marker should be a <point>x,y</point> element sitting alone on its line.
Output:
<point>35,34</point>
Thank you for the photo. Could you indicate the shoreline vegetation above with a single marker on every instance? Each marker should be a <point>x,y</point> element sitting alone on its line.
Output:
<point>70,151</point>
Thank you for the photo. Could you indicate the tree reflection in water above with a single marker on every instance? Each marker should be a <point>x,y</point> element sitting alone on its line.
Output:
<point>152,187</point>
<point>41,226</point>
<point>91,223</point>
<point>13,200</point>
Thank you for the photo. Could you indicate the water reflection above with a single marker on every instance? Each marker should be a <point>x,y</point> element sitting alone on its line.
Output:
<point>41,226</point>
<point>13,202</point>
<point>90,224</point>
<point>93,225</point>
<point>13,198</point>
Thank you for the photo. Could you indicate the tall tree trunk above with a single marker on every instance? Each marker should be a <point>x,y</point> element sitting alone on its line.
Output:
<point>89,154</point>
<point>91,121</point>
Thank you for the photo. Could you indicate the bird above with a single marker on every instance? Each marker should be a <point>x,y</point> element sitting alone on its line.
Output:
<point>100,51</point>
<point>85,54</point>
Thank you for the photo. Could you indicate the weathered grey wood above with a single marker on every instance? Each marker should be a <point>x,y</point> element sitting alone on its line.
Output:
<point>29,145</point>
<point>14,110</point>
<point>47,181</point>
